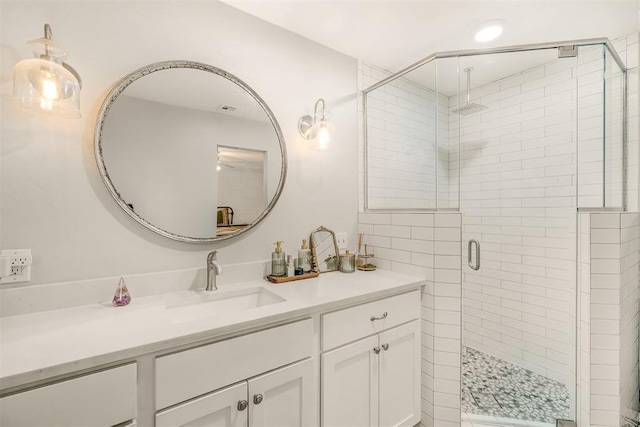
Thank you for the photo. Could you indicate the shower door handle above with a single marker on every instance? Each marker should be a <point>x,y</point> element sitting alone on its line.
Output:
<point>473,266</point>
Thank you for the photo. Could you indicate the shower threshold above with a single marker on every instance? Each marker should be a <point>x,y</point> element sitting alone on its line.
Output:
<point>499,393</point>
<point>477,420</point>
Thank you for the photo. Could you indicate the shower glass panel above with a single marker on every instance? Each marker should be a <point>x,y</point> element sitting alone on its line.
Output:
<point>402,158</point>
<point>517,130</point>
<point>518,140</point>
<point>613,135</point>
<point>448,136</point>
<point>600,112</point>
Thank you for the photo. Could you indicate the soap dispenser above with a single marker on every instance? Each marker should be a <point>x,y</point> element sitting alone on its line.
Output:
<point>278,264</point>
<point>304,257</point>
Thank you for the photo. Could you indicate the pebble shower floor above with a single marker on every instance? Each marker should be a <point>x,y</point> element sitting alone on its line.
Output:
<point>491,386</point>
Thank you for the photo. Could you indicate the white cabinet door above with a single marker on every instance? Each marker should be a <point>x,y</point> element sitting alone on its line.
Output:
<point>217,409</point>
<point>399,370</point>
<point>350,385</point>
<point>283,398</point>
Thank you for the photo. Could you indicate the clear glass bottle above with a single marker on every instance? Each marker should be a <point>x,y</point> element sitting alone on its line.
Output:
<point>290,269</point>
<point>304,257</point>
<point>278,264</point>
<point>121,297</point>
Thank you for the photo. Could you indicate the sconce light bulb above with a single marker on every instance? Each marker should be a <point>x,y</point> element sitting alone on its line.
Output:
<point>50,88</point>
<point>218,167</point>
<point>323,137</point>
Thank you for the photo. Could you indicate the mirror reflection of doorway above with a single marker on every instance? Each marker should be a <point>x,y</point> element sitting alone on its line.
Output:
<point>242,184</point>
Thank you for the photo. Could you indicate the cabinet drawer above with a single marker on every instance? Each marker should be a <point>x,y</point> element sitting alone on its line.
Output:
<point>350,324</point>
<point>197,371</point>
<point>105,398</point>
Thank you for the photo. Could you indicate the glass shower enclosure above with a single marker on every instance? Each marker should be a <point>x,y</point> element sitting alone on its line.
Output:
<point>518,140</point>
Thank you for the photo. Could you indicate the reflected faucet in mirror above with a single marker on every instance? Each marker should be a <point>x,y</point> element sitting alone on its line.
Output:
<point>213,270</point>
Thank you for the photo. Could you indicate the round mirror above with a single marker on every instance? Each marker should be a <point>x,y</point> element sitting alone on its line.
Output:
<point>190,151</point>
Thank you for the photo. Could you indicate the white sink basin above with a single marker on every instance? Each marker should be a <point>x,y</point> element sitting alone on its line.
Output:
<point>195,305</point>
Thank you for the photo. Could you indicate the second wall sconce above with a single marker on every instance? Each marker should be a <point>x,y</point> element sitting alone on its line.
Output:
<point>316,126</point>
<point>45,83</point>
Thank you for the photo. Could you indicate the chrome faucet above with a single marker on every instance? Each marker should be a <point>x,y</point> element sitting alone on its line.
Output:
<point>212,264</point>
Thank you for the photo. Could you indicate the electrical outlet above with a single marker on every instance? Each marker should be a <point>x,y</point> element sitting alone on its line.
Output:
<point>341,240</point>
<point>19,263</point>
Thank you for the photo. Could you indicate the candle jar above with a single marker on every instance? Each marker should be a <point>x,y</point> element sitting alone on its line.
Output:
<point>347,262</point>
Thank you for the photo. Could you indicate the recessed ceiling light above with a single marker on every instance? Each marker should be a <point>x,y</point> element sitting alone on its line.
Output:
<point>489,31</point>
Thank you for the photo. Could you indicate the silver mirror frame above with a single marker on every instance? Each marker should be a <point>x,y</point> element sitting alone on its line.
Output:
<point>314,255</point>
<point>112,96</point>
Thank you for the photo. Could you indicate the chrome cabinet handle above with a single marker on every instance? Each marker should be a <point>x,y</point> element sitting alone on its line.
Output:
<point>384,316</point>
<point>257,399</point>
<point>376,350</point>
<point>473,242</point>
<point>385,346</point>
<point>242,405</point>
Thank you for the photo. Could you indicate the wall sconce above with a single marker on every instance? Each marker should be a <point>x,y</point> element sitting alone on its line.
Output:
<point>316,126</point>
<point>45,83</point>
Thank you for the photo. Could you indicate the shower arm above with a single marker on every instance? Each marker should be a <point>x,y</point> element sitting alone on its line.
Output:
<point>468,71</point>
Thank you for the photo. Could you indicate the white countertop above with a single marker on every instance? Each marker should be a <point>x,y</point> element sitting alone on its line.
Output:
<point>44,344</point>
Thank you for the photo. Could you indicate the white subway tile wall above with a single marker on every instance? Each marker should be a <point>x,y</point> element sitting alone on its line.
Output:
<point>585,355</point>
<point>402,155</point>
<point>627,299</point>
<point>427,245</point>
<point>609,351</point>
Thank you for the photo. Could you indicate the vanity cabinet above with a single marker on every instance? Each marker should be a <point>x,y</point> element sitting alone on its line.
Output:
<point>325,358</point>
<point>101,399</point>
<point>374,380</point>
<point>263,378</point>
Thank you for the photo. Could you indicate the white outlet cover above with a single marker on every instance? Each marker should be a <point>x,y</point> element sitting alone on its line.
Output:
<point>341,240</point>
<point>18,258</point>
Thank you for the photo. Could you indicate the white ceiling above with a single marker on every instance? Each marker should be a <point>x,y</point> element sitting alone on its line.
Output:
<point>393,34</point>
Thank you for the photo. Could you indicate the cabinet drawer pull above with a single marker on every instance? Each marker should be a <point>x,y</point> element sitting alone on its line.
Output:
<point>376,350</point>
<point>257,399</point>
<point>385,346</point>
<point>242,405</point>
<point>384,316</point>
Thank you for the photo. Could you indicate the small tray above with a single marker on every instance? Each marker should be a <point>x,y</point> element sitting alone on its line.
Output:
<point>284,279</point>
<point>362,268</point>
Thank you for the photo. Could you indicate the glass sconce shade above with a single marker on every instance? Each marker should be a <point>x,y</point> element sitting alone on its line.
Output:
<point>45,83</point>
<point>316,126</point>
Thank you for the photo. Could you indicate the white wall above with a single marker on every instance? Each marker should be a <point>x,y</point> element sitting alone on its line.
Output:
<point>53,200</point>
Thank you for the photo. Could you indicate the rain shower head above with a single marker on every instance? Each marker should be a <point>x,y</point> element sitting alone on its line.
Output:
<point>470,108</point>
